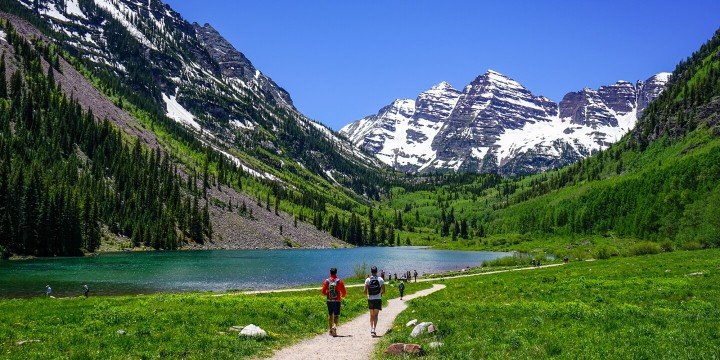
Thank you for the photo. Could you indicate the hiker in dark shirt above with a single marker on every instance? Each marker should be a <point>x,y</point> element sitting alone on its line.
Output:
<point>401,287</point>
<point>86,290</point>
<point>415,273</point>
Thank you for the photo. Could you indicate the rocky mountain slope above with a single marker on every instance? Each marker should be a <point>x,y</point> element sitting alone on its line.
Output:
<point>497,125</point>
<point>186,92</point>
<point>193,75</point>
<point>258,227</point>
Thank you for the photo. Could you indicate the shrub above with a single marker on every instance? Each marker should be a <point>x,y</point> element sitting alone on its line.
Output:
<point>290,243</point>
<point>645,248</point>
<point>514,260</point>
<point>667,246</point>
<point>691,245</point>
<point>603,253</point>
<point>361,270</point>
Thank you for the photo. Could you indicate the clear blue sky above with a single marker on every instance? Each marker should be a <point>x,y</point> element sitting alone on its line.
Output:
<point>342,60</point>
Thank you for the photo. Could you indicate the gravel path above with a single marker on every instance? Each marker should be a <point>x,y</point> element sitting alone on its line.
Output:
<point>435,279</point>
<point>354,340</point>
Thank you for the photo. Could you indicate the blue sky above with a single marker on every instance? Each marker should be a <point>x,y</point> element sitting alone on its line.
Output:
<point>342,60</point>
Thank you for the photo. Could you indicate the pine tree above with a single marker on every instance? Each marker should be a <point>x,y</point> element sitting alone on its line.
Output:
<point>3,80</point>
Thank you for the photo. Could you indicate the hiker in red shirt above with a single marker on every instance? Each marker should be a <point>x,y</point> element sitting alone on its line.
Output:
<point>334,289</point>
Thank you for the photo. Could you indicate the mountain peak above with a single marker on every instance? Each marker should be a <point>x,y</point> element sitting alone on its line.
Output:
<point>498,79</point>
<point>662,77</point>
<point>444,85</point>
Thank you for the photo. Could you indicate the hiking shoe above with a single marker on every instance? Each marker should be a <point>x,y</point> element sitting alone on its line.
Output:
<point>333,332</point>
<point>373,333</point>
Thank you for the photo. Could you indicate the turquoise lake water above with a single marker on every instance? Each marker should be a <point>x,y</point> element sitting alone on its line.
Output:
<point>217,270</point>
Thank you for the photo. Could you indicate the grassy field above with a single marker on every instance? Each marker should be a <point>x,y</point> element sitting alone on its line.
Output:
<point>193,326</point>
<point>644,307</point>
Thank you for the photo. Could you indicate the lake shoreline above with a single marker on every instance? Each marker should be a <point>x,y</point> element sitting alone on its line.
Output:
<point>218,271</point>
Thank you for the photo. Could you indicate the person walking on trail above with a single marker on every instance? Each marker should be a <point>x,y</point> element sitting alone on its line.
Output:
<point>334,290</point>
<point>48,291</point>
<point>374,289</point>
<point>86,290</point>
<point>401,287</point>
<point>415,274</point>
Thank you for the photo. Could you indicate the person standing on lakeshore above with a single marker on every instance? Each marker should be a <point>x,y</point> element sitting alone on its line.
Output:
<point>334,290</point>
<point>401,287</point>
<point>374,289</point>
<point>48,291</point>
<point>86,290</point>
<point>415,274</point>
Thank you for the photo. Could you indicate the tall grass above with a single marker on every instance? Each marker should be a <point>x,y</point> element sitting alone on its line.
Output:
<point>361,271</point>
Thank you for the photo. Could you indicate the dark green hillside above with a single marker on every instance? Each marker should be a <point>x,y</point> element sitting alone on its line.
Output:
<point>300,157</point>
<point>63,174</point>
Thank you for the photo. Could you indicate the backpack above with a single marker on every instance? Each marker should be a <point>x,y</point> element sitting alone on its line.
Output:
<point>332,289</point>
<point>374,286</point>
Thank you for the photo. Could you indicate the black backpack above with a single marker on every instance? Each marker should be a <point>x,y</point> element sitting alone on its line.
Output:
<point>374,286</point>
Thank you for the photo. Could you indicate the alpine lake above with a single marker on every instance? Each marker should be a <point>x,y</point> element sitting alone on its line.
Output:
<point>217,270</point>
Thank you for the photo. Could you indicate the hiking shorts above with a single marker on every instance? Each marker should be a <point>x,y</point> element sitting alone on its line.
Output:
<point>333,308</point>
<point>375,304</point>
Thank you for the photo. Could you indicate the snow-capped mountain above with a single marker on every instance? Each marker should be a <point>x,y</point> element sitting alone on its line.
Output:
<point>497,125</point>
<point>196,77</point>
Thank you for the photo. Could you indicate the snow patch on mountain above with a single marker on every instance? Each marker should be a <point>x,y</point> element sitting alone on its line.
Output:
<point>118,10</point>
<point>73,8</point>
<point>178,113</point>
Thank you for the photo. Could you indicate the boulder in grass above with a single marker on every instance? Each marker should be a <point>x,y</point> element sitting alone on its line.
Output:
<point>121,332</point>
<point>431,328</point>
<point>395,349</point>
<point>420,328</point>
<point>23,342</point>
<point>435,344</point>
<point>410,323</point>
<point>413,349</point>
<point>236,328</point>
<point>253,331</point>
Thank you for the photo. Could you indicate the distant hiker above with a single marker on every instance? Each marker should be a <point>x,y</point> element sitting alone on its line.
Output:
<point>374,289</point>
<point>395,276</point>
<point>334,290</point>
<point>86,290</point>
<point>415,274</point>
<point>566,260</point>
<point>382,274</point>
<point>48,291</point>
<point>401,287</point>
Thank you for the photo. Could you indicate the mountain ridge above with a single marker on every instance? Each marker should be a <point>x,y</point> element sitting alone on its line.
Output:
<point>497,125</point>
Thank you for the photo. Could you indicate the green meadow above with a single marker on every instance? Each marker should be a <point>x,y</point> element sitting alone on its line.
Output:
<point>663,306</point>
<point>165,326</point>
